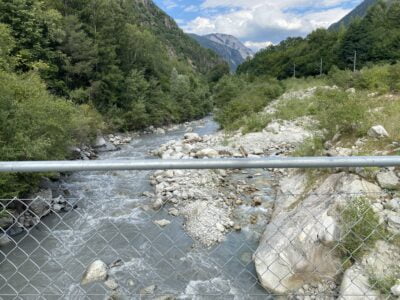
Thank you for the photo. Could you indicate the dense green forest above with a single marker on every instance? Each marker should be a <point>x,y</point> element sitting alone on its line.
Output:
<point>69,69</point>
<point>372,39</point>
<point>127,59</point>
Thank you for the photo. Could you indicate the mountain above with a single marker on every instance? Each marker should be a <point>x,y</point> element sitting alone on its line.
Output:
<point>232,56</point>
<point>232,42</point>
<point>150,16</point>
<point>360,11</point>
<point>226,46</point>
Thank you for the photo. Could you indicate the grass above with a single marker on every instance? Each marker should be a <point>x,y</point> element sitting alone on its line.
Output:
<point>4,213</point>
<point>360,229</point>
<point>383,285</point>
<point>255,122</point>
<point>295,84</point>
<point>311,147</point>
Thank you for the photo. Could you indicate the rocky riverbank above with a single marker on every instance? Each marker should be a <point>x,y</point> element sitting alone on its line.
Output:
<point>298,252</point>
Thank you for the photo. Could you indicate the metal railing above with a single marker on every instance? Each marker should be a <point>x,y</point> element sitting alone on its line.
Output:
<point>239,163</point>
<point>339,240</point>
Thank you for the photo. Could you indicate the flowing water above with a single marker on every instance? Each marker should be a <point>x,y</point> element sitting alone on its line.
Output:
<point>112,223</point>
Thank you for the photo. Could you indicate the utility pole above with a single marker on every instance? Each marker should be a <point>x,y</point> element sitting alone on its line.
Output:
<point>320,68</point>
<point>355,62</point>
<point>294,70</point>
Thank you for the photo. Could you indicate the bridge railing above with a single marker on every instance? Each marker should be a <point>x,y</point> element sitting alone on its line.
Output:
<point>258,238</point>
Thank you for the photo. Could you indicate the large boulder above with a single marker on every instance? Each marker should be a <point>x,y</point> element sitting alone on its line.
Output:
<point>297,245</point>
<point>378,131</point>
<point>388,180</point>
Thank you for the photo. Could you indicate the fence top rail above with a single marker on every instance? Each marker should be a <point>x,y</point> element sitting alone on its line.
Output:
<point>164,164</point>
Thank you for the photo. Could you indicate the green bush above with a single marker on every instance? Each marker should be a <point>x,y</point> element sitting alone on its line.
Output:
<point>310,147</point>
<point>249,100</point>
<point>383,285</point>
<point>338,111</point>
<point>35,125</point>
<point>360,229</point>
<point>376,78</point>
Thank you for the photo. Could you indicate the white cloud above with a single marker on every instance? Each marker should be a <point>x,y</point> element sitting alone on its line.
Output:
<point>191,8</point>
<point>260,20</point>
<point>170,4</point>
<point>257,46</point>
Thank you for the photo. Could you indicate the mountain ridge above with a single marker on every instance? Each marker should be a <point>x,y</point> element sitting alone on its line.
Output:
<point>360,11</point>
<point>226,46</point>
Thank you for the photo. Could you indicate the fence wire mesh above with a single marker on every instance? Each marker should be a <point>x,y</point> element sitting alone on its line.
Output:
<point>314,245</point>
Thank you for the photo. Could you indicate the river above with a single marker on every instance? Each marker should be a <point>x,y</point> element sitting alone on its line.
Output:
<point>112,223</point>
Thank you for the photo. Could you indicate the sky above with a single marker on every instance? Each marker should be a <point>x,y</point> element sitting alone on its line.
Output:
<point>257,23</point>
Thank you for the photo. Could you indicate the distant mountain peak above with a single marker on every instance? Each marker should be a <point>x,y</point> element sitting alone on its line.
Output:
<point>228,47</point>
<point>232,42</point>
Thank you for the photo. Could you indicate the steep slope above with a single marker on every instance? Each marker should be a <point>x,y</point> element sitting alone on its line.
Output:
<point>360,11</point>
<point>231,42</point>
<point>232,56</point>
<point>127,58</point>
<point>164,27</point>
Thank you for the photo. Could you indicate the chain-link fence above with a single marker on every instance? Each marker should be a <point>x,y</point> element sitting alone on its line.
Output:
<point>311,245</point>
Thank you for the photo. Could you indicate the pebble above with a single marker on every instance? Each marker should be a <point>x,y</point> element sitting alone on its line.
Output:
<point>111,284</point>
<point>148,290</point>
<point>162,223</point>
<point>220,227</point>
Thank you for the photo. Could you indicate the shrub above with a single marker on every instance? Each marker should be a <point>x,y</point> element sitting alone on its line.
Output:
<point>377,78</point>
<point>360,229</point>
<point>249,100</point>
<point>255,122</point>
<point>293,84</point>
<point>310,147</point>
<point>338,111</point>
<point>35,125</point>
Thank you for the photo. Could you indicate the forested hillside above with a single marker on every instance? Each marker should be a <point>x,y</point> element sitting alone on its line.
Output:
<point>126,58</point>
<point>373,39</point>
<point>359,12</point>
<point>68,69</point>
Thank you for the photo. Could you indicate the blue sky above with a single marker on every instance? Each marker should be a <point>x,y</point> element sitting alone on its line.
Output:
<point>257,23</point>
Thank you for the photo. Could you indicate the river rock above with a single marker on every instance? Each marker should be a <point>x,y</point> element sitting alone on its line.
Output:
<point>100,142</point>
<point>6,219</point>
<point>395,290</point>
<point>210,153</point>
<point>159,131</point>
<point>388,180</point>
<point>111,284</point>
<point>4,240</point>
<point>97,271</point>
<point>393,204</point>
<point>162,223</point>
<point>41,204</point>
<point>393,221</point>
<point>378,131</point>
<point>148,290</point>
<point>192,137</point>
<point>293,248</point>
